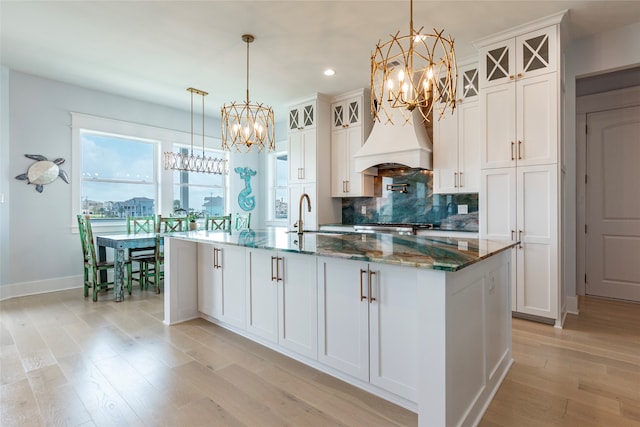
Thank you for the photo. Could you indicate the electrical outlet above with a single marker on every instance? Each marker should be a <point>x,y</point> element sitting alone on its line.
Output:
<point>463,245</point>
<point>463,209</point>
<point>363,210</point>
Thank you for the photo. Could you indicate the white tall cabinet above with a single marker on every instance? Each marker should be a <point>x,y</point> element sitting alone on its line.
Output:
<point>520,140</point>
<point>456,138</point>
<point>309,157</point>
<point>351,123</point>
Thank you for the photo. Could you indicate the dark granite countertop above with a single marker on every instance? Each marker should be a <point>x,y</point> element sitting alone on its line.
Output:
<point>437,253</point>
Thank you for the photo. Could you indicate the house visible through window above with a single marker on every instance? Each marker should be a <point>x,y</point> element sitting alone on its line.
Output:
<point>118,175</point>
<point>200,192</point>
<point>279,192</point>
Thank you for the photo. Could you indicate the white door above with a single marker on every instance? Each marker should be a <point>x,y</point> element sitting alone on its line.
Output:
<point>298,300</point>
<point>206,285</point>
<point>393,317</point>
<point>498,126</point>
<point>613,204</point>
<point>469,147</point>
<point>343,316</point>
<point>231,263</point>
<point>262,307</point>
<point>445,154</point>
<point>537,254</point>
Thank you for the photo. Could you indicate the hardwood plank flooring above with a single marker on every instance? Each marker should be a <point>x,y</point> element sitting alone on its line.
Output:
<point>65,360</point>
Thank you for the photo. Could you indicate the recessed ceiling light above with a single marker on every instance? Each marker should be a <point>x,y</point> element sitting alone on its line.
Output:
<point>329,72</point>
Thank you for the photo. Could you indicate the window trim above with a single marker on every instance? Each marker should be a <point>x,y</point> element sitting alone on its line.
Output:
<point>271,175</point>
<point>166,138</point>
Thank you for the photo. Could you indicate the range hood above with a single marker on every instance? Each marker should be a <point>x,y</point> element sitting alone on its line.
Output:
<point>398,143</point>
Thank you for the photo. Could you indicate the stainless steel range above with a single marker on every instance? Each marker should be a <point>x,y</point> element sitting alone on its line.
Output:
<point>391,228</point>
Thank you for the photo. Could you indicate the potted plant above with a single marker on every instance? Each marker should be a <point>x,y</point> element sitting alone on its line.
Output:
<point>193,219</point>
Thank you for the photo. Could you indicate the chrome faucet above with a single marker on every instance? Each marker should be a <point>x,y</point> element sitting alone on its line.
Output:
<point>299,223</point>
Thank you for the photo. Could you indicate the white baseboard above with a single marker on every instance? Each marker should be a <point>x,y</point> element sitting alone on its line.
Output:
<point>572,304</point>
<point>40,286</point>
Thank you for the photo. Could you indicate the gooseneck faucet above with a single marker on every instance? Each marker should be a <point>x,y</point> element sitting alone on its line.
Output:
<point>299,223</point>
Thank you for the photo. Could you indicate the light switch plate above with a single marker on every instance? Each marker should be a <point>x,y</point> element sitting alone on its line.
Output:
<point>463,209</point>
<point>463,245</point>
<point>363,210</point>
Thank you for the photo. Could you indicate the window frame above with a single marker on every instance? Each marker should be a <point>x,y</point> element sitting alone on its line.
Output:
<point>272,187</point>
<point>166,139</point>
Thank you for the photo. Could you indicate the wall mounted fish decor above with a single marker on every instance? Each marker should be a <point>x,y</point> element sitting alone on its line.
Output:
<point>43,171</point>
<point>245,200</point>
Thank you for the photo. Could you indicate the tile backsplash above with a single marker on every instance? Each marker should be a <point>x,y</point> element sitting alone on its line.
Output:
<point>417,205</point>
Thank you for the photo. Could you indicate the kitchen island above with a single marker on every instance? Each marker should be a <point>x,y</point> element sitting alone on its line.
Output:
<point>421,321</point>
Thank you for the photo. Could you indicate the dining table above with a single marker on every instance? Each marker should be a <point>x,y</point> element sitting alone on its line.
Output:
<point>120,243</point>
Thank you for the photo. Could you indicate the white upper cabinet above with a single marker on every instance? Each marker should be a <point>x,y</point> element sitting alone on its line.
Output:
<point>456,139</point>
<point>302,156</point>
<point>527,55</point>
<point>302,116</point>
<point>350,126</point>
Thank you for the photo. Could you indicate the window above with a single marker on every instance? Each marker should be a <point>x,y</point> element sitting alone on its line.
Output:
<point>200,192</point>
<point>118,176</point>
<point>278,191</point>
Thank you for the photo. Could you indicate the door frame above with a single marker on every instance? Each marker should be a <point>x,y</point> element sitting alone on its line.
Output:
<point>628,97</point>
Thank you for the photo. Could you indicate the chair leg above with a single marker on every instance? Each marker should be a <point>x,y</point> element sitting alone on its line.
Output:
<point>86,281</point>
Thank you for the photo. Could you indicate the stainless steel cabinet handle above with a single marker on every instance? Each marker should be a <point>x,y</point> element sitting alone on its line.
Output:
<point>512,147</point>
<point>520,238</point>
<point>513,232</point>
<point>371,274</point>
<point>460,180</point>
<point>519,150</point>
<point>272,276</point>
<point>455,179</point>
<point>362,296</point>
<point>279,278</point>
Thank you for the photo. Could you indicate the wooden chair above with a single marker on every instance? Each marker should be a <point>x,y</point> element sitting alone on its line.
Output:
<point>243,221</point>
<point>172,223</point>
<point>221,222</point>
<point>136,225</point>
<point>92,266</point>
<point>153,266</point>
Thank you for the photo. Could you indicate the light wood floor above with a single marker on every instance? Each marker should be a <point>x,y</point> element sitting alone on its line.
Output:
<point>65,360</point>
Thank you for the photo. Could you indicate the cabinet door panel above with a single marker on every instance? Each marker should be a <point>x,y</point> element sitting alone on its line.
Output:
<point>298,299</point>
<point>309,155</point>
<point>445,154</point>
<point>497,129</point>
<point>497,63</point>
<point>262,298</point>
<point>343,319</point>
<point>498,204</point>
<point>296,156</point>
<point>208,301</point>
<point>233,290</point>
<point>469,148</point>
<point>393,321</point>
<point>339,163</point>
<point>537,120</point>
<point>537,52</point>
<point>537,260</point>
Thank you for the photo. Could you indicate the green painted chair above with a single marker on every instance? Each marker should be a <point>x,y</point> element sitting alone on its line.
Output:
<point>172,223</point>
<point>243,221</point>
<point>92,266</point>
<point>220,223</point>
<point>153,266</point>
<point>139,256</point>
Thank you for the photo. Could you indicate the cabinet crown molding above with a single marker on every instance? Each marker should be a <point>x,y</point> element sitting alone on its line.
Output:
<point>555,19</point>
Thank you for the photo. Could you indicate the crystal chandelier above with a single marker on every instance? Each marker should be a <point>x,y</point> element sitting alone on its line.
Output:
<point>245,124</point>
<point>413,71</point>
<point>183,161</point>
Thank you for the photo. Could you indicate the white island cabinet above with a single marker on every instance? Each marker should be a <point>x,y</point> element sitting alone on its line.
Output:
<point>368,322</point>
<point>281,300</point>
<point>221,283</point>
<point>415,320</point>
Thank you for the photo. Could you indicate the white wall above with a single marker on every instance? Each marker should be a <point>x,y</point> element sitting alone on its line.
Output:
<point>593,55</point>
<point>38,250</point>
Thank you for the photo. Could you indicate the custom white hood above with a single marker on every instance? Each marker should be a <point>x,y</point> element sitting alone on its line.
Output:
<point>406,144</point>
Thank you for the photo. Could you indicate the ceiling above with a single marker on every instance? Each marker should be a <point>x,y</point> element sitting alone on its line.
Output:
<point>154,50</point>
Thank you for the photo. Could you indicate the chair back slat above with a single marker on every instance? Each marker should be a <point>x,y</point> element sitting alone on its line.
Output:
<point>86,237</point>
<point>141,224</point>
<point>169,224</point>
<point>243,221</point>
<point>220,222</point>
